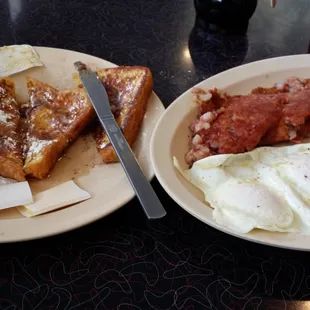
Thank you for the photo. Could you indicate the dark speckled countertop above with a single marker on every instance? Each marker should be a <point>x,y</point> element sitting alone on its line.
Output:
<point>124,261</point>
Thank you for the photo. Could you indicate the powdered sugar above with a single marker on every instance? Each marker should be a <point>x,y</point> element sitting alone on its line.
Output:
<point>36,146</point>
<point>8,143</point>
<point>5,118</point>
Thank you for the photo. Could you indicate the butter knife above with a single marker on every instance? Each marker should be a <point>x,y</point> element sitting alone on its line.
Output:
<point>99,98</point>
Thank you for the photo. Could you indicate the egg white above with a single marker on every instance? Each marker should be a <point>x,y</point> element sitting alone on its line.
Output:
<point>267,188</point>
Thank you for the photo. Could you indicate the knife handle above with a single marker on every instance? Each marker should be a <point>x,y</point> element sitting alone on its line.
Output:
<point>142,187</point>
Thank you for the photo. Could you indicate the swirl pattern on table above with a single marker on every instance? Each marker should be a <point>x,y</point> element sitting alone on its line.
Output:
<point>124,261</point>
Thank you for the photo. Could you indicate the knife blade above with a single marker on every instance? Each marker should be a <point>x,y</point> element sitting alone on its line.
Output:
<point>100,101</point>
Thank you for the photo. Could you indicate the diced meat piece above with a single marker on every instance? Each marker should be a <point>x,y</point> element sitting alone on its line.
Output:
<point>294,84</point>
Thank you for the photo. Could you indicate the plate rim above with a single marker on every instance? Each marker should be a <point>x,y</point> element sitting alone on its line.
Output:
<point>162,175</point>
<point>22,238</point>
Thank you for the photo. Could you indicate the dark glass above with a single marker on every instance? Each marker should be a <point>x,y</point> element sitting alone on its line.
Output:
<point>213,52</point>
<point>225,15</point>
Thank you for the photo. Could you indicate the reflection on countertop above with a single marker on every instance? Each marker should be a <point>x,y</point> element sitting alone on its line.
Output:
<point>213,52</point>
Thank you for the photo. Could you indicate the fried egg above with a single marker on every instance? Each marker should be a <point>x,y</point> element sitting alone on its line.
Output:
<point>17,58</point>
<point>267,188</point>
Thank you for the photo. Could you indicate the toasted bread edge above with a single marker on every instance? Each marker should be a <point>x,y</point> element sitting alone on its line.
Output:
<point>133,121</point>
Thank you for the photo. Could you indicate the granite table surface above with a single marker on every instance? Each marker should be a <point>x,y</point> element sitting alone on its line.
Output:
<point>124,261</point>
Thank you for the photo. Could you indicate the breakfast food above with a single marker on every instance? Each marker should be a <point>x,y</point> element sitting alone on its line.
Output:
<point>267,188</point>
<point>35,135</point>
<point>35,132</point>
<point>237,124</point>
<point>51,121</point>
<point>129,89</point>
<point>38,127</point>
<point>248,179</point>
<point>11,160</point>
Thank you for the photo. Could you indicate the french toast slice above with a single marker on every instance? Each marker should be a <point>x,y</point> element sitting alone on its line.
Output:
<point>51,121</point>
<point>11,160</point>
<point>129,89</point>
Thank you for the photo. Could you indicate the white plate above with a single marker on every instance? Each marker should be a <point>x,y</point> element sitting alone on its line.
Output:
<point>107,184</point>
<point>170,138</point>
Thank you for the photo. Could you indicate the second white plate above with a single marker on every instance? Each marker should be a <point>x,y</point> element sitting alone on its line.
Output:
<point>170,138</point>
